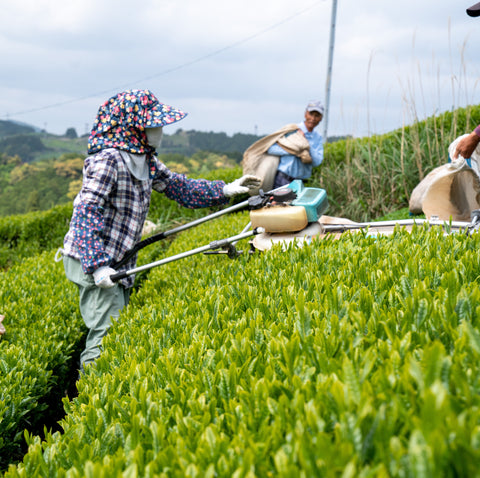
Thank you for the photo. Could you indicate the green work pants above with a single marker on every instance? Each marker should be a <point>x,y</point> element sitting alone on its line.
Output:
<point>97,306</point>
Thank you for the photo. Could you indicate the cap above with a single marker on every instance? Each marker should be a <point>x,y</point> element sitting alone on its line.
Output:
<point>474,10</point>
<point>315,106</point>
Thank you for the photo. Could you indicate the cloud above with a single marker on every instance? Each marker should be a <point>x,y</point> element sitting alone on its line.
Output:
<point>237,67</point>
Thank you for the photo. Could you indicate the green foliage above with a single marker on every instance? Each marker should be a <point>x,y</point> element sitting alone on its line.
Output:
<point>190,142</point>
<point>356,357</point>
<point>38,186</point>
<point>71,133</point>
<point>23,145</point>
<point>200,163</point>
<point>27,235</point>
<point>43,330</point>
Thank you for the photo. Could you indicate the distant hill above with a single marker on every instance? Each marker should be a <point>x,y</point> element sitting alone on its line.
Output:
<point>39,170</point>
<point>31,144</point>
<point>8,128</point>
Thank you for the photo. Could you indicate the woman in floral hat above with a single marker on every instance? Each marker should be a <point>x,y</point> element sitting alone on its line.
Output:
<point>119,175</point>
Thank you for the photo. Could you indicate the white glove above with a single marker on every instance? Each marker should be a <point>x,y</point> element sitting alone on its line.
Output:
<point>242,185</point>
<point>102,277</point>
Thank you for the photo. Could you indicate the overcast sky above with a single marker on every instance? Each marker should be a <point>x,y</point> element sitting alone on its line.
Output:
<point>249,66</point>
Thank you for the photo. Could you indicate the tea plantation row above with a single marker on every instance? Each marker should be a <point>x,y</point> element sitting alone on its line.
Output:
<point>44,331</point>
<point>39,353</point>
<point>357,357</point>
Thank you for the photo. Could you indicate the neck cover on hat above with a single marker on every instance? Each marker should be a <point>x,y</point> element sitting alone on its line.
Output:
<point>137,165</point>
<point>121,122</point>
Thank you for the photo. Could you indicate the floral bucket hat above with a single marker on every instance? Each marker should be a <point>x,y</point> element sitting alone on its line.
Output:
<point>121,122</point>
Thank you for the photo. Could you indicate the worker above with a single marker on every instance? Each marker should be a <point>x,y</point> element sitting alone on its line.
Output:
<point>292,166</point>
<point>2,327</point>
<point>466,146</point>
<point>109,211</point>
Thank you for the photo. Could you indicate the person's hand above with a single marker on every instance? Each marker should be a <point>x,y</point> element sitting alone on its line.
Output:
<point>466,146</point>
<point>2,327</point>
<point>243,185</point>
<point>102,277</point>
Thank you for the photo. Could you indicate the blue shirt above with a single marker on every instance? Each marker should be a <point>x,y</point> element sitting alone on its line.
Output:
<point>292,165</point>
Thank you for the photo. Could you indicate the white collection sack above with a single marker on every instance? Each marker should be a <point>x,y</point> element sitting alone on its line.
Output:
<point>449,191</point>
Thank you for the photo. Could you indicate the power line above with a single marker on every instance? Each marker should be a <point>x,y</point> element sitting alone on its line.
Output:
<point>175,68</point>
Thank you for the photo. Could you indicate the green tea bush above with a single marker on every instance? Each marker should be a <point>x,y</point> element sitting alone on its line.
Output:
<point>356,357</point>
<point>26,235</point>
<point>43,329</point>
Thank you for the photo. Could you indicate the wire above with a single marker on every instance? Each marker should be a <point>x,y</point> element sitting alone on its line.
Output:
<point>175,68</point>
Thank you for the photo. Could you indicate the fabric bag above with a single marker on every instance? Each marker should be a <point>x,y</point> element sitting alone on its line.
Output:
<point>449,191</point>
<point>258,162</point>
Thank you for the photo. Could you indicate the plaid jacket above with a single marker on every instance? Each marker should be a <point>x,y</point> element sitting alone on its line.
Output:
<point>110,210</point>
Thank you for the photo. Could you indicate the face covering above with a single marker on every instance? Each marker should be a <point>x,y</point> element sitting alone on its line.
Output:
<point>154,136</point>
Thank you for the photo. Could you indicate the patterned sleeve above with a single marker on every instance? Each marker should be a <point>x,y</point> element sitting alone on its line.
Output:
<point>88,224</point>
<point>194,193</point>
<point>100,173</point>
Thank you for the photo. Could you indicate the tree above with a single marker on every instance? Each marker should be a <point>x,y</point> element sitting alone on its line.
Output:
<point>71,133</point>
<point>33,201</point>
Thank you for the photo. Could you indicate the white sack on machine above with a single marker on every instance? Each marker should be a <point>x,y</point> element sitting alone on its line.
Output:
<point>449,191</point>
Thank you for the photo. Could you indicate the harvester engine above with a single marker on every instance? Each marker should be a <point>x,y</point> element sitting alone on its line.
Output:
<point>288,209</point>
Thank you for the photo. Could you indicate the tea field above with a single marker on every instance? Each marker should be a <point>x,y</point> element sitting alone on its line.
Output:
<point>350,358</point>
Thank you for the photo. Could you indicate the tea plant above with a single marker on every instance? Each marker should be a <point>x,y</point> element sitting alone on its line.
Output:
<point>29,234</point>
<point>356,357</point>
<point>43,329</point>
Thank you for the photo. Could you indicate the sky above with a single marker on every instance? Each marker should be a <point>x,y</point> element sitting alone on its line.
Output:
<point>239,67</point>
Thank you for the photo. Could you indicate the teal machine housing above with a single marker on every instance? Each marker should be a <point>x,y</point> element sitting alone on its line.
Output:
<point>314,200</point>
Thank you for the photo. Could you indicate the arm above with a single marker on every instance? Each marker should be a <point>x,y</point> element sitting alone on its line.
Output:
<point>195,193</point>
<point>467,145</point>
<point>277,150</point>
<point>316,150</point>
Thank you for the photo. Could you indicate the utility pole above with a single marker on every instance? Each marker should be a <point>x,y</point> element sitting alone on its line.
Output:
<point>329,70</point>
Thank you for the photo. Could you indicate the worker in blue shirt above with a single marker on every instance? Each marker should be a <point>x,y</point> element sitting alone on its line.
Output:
<point>294,167</point>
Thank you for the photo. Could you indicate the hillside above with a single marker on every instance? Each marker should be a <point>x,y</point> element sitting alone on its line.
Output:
<point>30,144</point>
<point>364,178</point>
<point>356,357</point>
<point>39,171</point>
